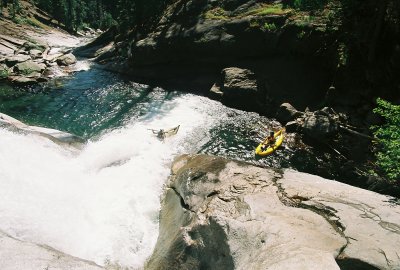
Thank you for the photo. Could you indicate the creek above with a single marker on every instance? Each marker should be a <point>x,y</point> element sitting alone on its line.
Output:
<point>101,202</point>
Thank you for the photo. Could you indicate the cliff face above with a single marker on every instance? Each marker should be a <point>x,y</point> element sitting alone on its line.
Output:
<point>350,45</point>
<point>355,42</point>
<point>226,31</point>
<point>222,214</point>
<point>195,40</point>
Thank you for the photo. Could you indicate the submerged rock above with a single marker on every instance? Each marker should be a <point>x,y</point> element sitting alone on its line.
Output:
<point>224,214</point>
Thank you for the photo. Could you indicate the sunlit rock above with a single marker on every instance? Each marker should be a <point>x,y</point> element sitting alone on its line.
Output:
<point>19,58</point>
<point>66,60</point>
<point>224,214</point>
<point>16,254</point>
<point>54,135</point>
<point>29,67</point>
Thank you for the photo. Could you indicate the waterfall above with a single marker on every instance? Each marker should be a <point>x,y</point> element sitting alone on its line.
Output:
<point>102,202</point>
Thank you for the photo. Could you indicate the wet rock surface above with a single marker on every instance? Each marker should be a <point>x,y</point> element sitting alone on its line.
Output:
<point>57,136</point>
<point>16,254</point>
<point>223,214</point>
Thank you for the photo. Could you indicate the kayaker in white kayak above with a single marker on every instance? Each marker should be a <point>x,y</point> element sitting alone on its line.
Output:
<point>161,134</point>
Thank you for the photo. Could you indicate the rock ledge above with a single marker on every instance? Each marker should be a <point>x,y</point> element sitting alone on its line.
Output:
<point>224,214</point>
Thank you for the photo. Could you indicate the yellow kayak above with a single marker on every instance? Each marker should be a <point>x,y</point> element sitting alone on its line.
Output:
<point>264,149</point>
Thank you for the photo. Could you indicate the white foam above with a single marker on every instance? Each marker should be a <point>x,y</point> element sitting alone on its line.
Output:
<point>102,204</point>
<point>81,65</point>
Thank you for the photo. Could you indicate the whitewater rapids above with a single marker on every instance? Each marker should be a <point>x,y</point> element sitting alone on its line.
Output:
<point>102,202</point>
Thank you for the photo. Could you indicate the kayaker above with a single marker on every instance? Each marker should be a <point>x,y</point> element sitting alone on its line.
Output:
<point>161,134</point>
<point>271,139</point>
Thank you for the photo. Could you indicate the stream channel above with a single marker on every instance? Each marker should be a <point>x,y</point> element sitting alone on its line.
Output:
<point>101,202</point>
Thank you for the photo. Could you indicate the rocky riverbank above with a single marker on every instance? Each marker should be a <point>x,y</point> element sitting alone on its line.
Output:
<point>33,49</point>
<point>224,214</point>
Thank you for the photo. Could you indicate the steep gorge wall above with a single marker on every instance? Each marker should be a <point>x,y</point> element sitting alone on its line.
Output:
<point>351,45</point>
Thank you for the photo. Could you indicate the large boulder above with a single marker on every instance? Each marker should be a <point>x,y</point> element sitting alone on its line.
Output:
<point>293,126</point>
<point>224,214</point>
<point>240,88</point>
<point>319,123</point>
<point>28,46</point>
<point>29,67</point>
<point>239,82</point>
<point>287,113</point>
<point>66,60</point>
<point>34,53</point>
<point>15,59</point>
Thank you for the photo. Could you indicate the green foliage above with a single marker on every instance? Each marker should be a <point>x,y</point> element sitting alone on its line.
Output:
<point>107,21</point>
<point>3,73</point>
<point>309,4</point>
<point>255,24</point>
<point>19,20</point>
<point>388,134</point>
<point>35,23</point>
<point>217,13</point>
<point>14,8</point>
<point>75,14</point>
<point>27,71</point>
<point>304,21</point>
<point>343,55</point>
<point>274,9</point>
<point>301,34</point>
<point>139,13</point>
<point>270,27</point>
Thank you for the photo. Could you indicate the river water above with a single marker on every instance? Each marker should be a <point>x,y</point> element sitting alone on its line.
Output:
<point>101,202</point>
